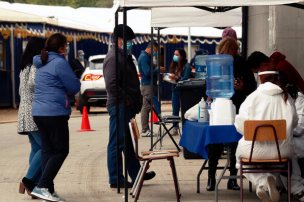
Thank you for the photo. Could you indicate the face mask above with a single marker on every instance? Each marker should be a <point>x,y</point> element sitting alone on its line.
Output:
<point>81,57</point>
<point>68,50</point>
<point>175,58</point>
<point>129,45</point>
<point>155,54</point>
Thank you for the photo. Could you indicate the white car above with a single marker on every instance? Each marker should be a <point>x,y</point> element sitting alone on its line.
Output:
<point>93,87</point>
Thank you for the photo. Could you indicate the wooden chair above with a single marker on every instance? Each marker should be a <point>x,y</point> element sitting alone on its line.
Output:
<point>147,157</point>
<point>265,130</point>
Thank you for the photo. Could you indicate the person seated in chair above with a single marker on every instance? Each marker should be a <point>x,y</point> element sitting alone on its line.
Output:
<point>269,102</point>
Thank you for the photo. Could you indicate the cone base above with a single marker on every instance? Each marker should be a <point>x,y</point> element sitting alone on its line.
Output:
<point>83,130</point>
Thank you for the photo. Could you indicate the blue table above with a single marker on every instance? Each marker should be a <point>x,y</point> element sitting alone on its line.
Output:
<point>197,136</point>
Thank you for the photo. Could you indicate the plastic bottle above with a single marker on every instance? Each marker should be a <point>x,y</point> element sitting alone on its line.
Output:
<point>202,111</point>
<point>219,78</point>
<point>208,103</point>
<point>200,67</point>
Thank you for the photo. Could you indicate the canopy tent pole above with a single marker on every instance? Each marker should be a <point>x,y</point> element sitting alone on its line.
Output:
<point>151,89</point>
<point>158,75</point>
<point>189,44</point>
<point>13,65</point>
<point>244,30</point>
<point>75,45</point>
<point>117,104</point>
<point>125,83</point>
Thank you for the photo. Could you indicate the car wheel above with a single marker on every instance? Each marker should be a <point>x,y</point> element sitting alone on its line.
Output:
<point>81,105</point>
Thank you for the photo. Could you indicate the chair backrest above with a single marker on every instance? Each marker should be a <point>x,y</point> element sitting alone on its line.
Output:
<point>155,106</point>
<point>265,130</point>
<point>134,136</point>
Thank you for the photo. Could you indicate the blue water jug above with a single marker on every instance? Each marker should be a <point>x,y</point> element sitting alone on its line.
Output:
<point>220,78</point>
<point>200,66</point>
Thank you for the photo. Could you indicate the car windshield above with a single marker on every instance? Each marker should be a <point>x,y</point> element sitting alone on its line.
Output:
<point>96,64</point>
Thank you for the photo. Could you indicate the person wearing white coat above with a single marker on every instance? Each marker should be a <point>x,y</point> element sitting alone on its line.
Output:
<point>298,132</point>
<point>268,102</point>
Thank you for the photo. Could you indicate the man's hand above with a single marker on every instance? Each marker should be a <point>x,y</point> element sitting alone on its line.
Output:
<point>162,69</point>
<point>239,85</point>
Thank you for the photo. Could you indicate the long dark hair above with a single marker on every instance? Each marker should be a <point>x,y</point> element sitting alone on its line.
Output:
<point>273,78</point>
<point>52,44</point>
<point>180,64</point>
<point>33,47</point>
<point>291,89</point>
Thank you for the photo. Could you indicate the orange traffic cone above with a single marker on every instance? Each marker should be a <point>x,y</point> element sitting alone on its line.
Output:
<point>85,124</point>
<point>155,119</point>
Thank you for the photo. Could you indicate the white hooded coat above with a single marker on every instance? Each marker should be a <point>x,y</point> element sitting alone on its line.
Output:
<point>266,103</point>
<point>298,132</point>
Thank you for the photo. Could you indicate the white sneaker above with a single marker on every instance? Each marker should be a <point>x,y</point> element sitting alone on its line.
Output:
<point>147,134</point>
<point>273,192</point>
<point>43,193</point>
<point>57,196</point>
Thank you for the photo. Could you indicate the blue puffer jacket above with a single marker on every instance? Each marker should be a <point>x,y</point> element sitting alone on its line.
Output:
<point>53,81</point>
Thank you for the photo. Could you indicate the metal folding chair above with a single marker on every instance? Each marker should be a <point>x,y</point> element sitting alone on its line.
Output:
<point>163,121</point>
<point>262,131</point>
<point>147,157</point>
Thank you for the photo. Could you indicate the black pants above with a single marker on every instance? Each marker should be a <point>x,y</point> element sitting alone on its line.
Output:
<point>215,151</point>
<point>54,132</point>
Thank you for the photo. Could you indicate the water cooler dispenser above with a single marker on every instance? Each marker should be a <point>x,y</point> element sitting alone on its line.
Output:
<point>220,87</point>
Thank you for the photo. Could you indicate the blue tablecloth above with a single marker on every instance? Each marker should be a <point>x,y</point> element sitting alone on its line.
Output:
<point>196,136</point>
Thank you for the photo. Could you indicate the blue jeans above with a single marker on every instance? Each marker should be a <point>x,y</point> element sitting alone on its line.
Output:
<point>175,105</point>
<point>133,164</point>
<point>34,172</point>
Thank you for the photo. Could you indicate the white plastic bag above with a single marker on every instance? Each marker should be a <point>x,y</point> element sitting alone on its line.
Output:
<point>192,113</point>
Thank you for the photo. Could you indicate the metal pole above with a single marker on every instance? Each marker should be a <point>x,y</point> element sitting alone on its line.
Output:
<point>189,44</point>
<point>158,79</point>
<point>125,83</point>
<point>244,30</point>
<point>117,104</point>
<point>13,66</point>
<point>152,87</point>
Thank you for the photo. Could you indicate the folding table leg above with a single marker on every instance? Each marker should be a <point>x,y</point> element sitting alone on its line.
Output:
<point>199,174</point>
<point>222,174</point>
<point>137,179</point>
<point>167,132</point>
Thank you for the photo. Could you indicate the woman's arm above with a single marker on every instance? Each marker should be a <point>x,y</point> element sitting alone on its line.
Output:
<point>186,73</point>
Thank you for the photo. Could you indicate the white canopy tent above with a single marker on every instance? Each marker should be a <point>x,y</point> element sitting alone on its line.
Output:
<point>207,3</point>
<point>194,17</point>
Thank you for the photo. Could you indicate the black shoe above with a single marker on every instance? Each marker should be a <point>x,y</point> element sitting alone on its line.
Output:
<point>29,184</point>
<point>122,185</point>
<point>211,183</point>
<point>149,175</point>
<point>232,184</point>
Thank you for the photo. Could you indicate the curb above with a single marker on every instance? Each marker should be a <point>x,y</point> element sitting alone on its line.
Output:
<point>12,121</point>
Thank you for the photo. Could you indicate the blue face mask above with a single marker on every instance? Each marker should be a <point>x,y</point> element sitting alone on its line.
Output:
<point>68,50</point>
<point>155,54</point>
<point>129,45</point>
<point>175,58</point>
<point>81,57</point>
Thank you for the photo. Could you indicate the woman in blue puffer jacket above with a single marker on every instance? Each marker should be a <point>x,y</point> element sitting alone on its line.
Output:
<point>54,81</point>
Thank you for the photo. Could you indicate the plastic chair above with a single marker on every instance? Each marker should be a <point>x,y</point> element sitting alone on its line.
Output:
<point>163,121</point>
<point>262,131</point>
<point>147,157</point>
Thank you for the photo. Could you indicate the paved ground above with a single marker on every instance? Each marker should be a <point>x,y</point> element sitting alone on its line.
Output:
<point>84,175</point>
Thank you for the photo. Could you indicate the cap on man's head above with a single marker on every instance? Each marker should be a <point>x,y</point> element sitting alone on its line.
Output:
<point>80,52</point>
<point>118,31</point>
<point>229,32</point>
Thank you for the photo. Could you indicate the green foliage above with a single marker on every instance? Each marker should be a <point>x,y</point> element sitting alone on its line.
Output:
<point>71,3</point>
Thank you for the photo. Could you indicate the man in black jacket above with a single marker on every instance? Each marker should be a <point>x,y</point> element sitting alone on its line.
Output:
<point>133,107</point>
<point>79,64</point>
